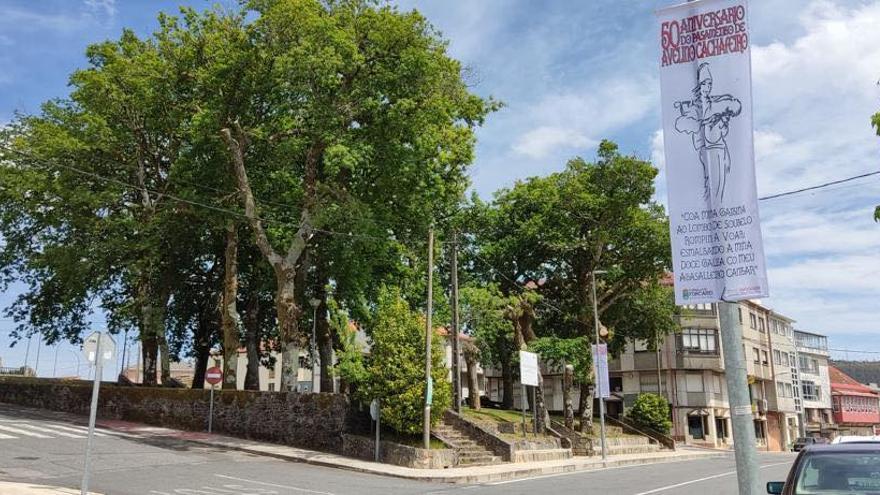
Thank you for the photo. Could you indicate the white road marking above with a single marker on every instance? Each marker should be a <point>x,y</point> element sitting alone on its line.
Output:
<point>707,478</point>
<point>19,431</point>
<point>43,429</point>
<point>304,490</point>
<point>80,430</point>
<point>7,437</point>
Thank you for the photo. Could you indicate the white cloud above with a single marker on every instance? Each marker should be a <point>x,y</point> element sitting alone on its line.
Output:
<point>102,7</point>
<point>542,141</point>
<point>577,118</point>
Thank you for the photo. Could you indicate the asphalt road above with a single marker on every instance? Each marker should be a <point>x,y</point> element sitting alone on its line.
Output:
<point>49,450</point>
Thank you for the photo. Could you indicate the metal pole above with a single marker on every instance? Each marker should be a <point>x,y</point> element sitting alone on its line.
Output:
<point>802,428</point>
<point>596,369</point>
<point>534,412</point>
<point>92,413</point>
<point>522,403</point>
<point>37,362</point>
<point>124,349</point>
<point>314,344</point>
<point>426,423</point>
<point>740,404</point>
<point>27,352</point>
<point>211,410</point>
<point>378,427</point>
<point>55,366</point>
<point>456,346</point>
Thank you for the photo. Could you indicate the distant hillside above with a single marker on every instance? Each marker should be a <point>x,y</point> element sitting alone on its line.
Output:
<point>863,371</point>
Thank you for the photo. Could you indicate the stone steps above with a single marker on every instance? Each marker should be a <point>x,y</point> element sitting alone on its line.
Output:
<point>470,453</point>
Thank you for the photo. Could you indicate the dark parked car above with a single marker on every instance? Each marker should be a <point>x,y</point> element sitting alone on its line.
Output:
<point>802,442</point>
<point>851,469</point>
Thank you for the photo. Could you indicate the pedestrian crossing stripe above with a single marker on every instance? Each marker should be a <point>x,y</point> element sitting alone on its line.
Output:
<point>19,431</point>
<point>51,431</point>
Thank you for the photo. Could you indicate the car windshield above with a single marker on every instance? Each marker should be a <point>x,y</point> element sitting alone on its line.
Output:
<point>850,473</point>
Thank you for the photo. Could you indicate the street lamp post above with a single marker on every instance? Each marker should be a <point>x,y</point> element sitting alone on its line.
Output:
<point>315,303</point>
<point>595,368</point>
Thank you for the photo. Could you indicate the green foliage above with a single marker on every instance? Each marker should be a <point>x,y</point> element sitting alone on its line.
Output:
<point>482,316</point>
<point>651,411</point>
<point>350,364</point>
<point>575,351</point>
<point>395,367</point>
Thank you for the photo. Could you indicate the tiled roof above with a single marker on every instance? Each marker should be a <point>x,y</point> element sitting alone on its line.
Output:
<point>846,385</point>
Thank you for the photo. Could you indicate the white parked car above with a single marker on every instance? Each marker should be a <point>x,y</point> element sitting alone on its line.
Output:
<point>856,439</point>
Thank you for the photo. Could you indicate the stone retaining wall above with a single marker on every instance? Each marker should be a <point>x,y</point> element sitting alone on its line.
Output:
<point>313,421</point>
<point>395,453</point>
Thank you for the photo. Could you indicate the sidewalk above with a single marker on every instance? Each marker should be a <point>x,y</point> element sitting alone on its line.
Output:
<point>473,474</point>
<point>7,488</point>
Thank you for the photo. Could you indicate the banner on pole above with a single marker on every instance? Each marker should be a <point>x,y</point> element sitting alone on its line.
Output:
<point>600,363</point>
<point>706,94</point>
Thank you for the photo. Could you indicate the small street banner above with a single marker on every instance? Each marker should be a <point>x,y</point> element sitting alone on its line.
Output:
<point>600,364</point>
<point>706,94</point>
<point>528,368</point>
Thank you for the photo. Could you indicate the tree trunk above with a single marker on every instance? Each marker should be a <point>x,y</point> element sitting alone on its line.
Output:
<point>506,384</point>
<point>542,417</point>
<point>202,348</point>
<point>164,360</point>
<point>325,348</point>
<point>283,264</point>
<point>229,319</point>
<point>152,305</point>
<point>288,329</point>
<point>252,341</point>
<point>150,356</point>
<point>473,382</point>
<point>567,406</point>
<point>585,407</point>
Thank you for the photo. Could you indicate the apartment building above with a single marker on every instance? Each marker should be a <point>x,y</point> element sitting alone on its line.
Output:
<point>812,355</point>
<point>689,371</point>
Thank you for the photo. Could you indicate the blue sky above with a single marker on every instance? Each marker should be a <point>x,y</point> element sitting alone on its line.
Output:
<point>572,73</point>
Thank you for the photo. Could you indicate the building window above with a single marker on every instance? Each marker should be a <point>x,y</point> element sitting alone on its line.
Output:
<point>789,390</point>
<point>761,325</point>
<point>777,357</point>
<point>757,355</point>
<point>811,390</point>
<point>716,382</point>
<point>740,311</point>
<point>765,359</point>
<point>753,320</point>
<point>809,365</point>
<point>774,327</point>
<point>695,382</point>
<point>780,389</point>
<point>700,341</point>
<point>648,383</point>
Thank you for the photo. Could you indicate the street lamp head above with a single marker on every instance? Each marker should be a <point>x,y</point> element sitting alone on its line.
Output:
<point>314,302</point>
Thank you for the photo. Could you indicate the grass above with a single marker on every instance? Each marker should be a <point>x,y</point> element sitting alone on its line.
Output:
<point>496,415</point>
<point>389,435</point>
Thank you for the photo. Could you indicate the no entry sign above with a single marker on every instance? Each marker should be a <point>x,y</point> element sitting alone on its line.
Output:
<point>214,375</point>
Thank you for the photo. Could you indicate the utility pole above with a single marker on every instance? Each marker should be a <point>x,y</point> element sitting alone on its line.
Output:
<point>426,424</point>
<point>124,349</point>
<point>456,347</point>
<point>740,403</point>
<point>37,362</point>
<point>314,344</point>
<point>27,352</point>
<point>596,368</point>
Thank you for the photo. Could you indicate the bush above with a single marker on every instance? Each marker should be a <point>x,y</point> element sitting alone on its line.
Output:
<point>651,411</point>
<point>395,367</point>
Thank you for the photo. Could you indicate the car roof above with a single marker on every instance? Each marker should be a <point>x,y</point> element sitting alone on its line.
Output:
<point>845,447</point>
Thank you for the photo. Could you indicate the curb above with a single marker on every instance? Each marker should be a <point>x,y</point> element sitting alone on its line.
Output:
<point>515,472</point>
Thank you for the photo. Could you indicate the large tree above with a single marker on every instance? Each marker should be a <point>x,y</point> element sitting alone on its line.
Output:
<point>338,105</point>
<point>547,235</point>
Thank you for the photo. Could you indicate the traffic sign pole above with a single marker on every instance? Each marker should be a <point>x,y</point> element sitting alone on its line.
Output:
<point>92,413</point>
<point>213,376</point>
<point>211,410</point>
